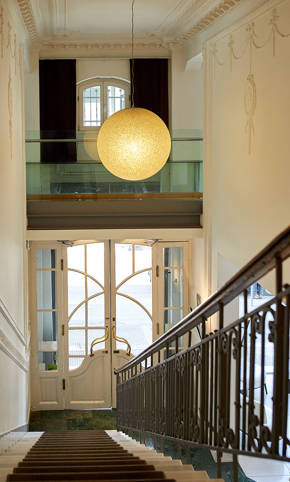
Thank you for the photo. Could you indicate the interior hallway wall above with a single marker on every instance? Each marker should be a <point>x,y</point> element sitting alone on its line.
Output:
<point>186,96</point>
<point>13,319</point>
<point>247,149</point>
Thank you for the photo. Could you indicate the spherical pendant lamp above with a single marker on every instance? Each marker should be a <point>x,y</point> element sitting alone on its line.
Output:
<point>134,144</point>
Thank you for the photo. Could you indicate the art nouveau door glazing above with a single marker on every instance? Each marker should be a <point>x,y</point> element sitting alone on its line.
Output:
<point>108,298</point>
<point>87,315</point>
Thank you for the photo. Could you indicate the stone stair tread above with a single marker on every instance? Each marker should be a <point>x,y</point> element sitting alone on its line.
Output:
<point>73,463</point>
<point>84,476</point>
<point>101,456</point>
<point>106,480</point>
<point>87,468</point>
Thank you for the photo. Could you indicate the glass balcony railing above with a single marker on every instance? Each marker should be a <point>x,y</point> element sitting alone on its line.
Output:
<point>48,174</point>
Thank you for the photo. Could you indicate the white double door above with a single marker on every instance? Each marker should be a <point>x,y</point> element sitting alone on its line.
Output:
<point>94,305</point>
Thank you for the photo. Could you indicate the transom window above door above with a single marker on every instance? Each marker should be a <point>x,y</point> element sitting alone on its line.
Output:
<point>99,99</point>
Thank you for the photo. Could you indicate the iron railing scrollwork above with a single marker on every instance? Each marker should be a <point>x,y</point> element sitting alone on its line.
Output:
<point>213,394</point>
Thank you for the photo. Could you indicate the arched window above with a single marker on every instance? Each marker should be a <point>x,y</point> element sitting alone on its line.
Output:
<point>99,98</point>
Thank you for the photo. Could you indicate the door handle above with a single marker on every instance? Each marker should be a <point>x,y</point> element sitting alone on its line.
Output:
<point>121,340</point>
<point>99,340</point>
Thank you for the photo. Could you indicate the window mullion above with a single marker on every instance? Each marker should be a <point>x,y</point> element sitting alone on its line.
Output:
<point>104,101</point>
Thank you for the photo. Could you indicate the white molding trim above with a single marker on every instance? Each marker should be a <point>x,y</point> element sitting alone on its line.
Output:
<point>28,18</point>
<point>10,350</point>
<point>207,19</point>
<point>184,11</point>
<point>11,322</point>
<point>91,43</point>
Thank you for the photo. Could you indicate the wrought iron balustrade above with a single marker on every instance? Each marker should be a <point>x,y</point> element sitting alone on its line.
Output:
<point>212,394</point>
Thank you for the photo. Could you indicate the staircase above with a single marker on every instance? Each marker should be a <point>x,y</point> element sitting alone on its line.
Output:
<point>97,455</point>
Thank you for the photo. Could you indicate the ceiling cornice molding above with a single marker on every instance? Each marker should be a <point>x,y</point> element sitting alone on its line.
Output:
<point>28,18</point>
<point>65,43</point>
<point>207,19</point>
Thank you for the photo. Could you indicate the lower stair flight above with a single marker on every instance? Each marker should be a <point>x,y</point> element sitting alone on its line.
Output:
<point>98,455</point>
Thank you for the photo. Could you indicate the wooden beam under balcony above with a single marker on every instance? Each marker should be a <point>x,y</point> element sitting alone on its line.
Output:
<point>109,211</point>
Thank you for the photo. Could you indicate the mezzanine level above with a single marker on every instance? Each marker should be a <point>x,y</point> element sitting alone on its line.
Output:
<point>83,194</point>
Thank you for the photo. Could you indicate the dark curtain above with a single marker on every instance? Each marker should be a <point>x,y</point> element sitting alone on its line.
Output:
<point>150,78</point>
<point>57,93</point>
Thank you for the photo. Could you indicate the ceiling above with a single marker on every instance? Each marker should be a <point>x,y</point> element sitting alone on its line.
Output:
<point>108,20</point>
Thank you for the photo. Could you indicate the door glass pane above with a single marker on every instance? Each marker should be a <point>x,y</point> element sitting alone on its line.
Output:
<point>123,261</point>
<point>138,334</point>
<point>173,287</point>
<point>76,289</point>
<point>139,287</point>
<point>79,317</point>
<point>143,257</point>
<point>77,342</point>
<point>171,317</point>
<point>47,361</point>
<point>76,257</point>
<point>96,311</point>
<point>46,289</point>
<point>45,258</point>
<point>75,362</point>
<point>93,287</point>
<point>92,335</point>
<point>95,261</point>
<point>47,331</point>
<point>173,256</point>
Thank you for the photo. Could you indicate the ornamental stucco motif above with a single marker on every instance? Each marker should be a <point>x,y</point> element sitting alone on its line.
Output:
<point>233,53</point>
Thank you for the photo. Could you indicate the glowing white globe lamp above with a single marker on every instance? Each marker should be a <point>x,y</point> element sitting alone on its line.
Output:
<point>134,144</point>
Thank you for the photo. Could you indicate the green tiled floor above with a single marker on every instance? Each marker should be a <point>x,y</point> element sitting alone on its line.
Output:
<point>48,420</point>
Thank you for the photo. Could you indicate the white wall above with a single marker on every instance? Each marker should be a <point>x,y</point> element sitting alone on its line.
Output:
<point>186,95</point>
<point>247,149</point>
<point>13,320</point>
<point>88,68</point>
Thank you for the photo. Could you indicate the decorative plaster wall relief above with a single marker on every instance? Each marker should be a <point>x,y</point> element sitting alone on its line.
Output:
<point>10,111</point>
<point>250,102</point>
<point>2,31</point>
<point>14,54</point>
<point>8,45</point>
<point>251,44</point>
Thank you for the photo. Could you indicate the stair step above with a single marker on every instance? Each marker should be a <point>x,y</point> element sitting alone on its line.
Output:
<point>84,456</point>
<point>40,479</point>
<point>81,468</point>
<point>85,476</point>
<point>71,463</point>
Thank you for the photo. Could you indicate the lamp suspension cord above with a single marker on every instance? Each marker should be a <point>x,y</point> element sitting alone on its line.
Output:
<point>132,55</point>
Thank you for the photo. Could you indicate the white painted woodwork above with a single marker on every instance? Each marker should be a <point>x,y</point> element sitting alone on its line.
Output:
<point>89,386</point>
<point>93,383</point>
<point>107,18</point>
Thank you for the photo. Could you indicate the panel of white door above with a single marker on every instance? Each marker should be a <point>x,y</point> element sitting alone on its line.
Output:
<point>89,386</point>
